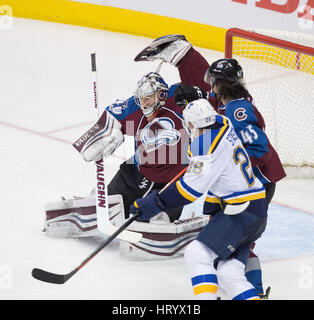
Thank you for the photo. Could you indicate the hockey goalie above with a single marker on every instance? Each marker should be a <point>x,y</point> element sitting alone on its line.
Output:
<point>154,119</point>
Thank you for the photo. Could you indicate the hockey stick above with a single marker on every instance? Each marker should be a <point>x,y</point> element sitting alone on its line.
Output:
<point>102,208</point>
<point>102,202</point>
<point>55,278</point>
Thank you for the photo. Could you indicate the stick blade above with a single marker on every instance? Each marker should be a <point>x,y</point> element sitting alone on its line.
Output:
<point>46,276</point>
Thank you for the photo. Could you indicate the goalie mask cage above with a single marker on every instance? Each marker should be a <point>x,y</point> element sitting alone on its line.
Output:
<point>278,71</point>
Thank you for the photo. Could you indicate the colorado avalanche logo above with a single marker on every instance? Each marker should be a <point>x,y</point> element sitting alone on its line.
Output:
<point>158,132</point>
<point>240,114</point>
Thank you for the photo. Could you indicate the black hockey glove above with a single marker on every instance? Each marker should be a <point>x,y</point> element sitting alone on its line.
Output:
<point>185,94</point>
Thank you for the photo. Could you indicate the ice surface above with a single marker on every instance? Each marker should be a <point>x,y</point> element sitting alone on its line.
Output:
<point>46,104</point>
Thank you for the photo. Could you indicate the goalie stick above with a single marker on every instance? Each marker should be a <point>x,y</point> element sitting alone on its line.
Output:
<point>102,208</point>
<point>55,278</point>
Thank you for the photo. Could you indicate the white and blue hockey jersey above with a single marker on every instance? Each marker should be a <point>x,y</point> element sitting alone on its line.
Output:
<point>220,167</point>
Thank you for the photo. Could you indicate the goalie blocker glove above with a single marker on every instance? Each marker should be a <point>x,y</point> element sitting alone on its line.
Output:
<point>185,94</point>
<point>171,48</point>
<point>101,140</point>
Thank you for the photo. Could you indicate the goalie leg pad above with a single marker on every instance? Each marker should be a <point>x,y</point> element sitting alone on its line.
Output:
<point>162,240</point>
<point>76,218</point>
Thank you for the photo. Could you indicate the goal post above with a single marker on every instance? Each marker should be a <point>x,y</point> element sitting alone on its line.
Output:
<point>278,71</point>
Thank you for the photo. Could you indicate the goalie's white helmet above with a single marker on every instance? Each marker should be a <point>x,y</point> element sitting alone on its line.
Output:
<point>151,93</point>
<point>199,113</point>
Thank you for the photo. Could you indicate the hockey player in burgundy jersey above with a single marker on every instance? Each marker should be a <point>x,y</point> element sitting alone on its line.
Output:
<point>152,117</point>
<point>155,121</point>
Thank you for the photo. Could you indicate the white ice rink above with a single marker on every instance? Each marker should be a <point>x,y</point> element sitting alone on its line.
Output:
<point>46,104</point>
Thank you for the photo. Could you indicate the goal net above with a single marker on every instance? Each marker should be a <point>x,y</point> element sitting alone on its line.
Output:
<point>279,73</point>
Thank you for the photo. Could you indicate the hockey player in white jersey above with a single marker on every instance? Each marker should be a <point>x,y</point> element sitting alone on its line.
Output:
<point>245,117</point>
<point>220,168</point>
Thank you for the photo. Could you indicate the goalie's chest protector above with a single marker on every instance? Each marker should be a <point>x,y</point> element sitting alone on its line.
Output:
<point>161,146</point>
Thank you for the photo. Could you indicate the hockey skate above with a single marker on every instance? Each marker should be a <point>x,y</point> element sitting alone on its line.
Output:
<point>265,296</point>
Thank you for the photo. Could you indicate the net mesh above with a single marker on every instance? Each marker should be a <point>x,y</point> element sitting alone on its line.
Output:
<point>281,82</point>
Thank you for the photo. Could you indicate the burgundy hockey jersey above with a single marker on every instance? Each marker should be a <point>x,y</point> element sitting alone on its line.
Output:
<point>245,117</point>
<point>161,144</point>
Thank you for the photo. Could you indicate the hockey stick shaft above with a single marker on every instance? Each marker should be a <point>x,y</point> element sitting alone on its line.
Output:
<point>102,197</point>
<point>94,70</point>
<point>50,277</point>
<point>174,179</point>
<point>102,208</point>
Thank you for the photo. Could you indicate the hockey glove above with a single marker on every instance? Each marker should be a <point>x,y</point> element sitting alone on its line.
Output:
<point>149,206</point>
<point>184,94</point>
<point>171,48</point>
<point>101,140</point>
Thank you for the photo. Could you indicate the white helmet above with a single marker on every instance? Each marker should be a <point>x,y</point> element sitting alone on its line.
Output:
<point>151,93</point>
<point>199,113</point>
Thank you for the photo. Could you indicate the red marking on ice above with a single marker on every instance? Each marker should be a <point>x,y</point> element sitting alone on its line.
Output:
<point>293,208</point>
<point>69,127</point>
<point>46,134</point>
<point>34,132</point>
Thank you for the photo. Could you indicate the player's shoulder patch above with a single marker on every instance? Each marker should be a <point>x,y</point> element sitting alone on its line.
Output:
<point>239,109</point>
<point>207,143</point>
<point>172,89</point>
<point>121,109</point>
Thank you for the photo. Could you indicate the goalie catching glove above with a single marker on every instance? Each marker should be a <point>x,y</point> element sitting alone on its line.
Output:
<point>101,140</point>
<point>171,48</point>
